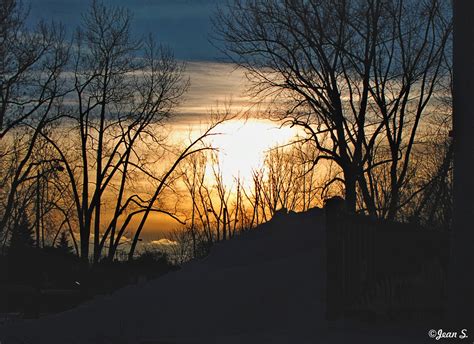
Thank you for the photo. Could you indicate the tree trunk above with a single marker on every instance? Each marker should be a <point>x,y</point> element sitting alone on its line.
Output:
<point>367,196</point>
<point>350,191</point>
<point>85,247</point>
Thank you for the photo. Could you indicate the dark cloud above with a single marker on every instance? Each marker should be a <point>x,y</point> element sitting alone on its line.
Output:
<point>182,24</point>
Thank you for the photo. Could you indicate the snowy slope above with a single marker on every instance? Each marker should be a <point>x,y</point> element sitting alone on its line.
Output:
<point>267,286</point>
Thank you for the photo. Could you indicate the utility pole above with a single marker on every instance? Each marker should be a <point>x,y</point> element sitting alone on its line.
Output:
<point>38,210</point>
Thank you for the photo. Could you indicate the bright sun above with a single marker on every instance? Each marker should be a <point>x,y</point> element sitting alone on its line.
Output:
<point>243,144</point>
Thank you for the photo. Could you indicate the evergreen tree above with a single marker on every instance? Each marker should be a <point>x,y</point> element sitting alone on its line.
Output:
<point>22,263</point>
<point>22,234</point>
<point>63,244</point>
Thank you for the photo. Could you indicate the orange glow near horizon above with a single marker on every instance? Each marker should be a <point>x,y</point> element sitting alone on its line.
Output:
<point>241,143</point>
<point>241,148</point>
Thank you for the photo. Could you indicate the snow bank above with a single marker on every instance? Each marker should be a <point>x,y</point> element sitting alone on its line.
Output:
<point>266,286</point>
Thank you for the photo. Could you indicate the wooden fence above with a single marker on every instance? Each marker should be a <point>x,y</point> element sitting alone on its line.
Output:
<point>381,268</point>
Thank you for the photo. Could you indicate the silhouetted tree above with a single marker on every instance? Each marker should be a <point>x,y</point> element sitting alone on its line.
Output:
<point>63,244</point>
<point>31,86</point>
<point>195,145</point>
<point>22,267</point>
<point>123,89</point>
<point>21,239</point>
<point>220,209</point>
<point>357,76</point>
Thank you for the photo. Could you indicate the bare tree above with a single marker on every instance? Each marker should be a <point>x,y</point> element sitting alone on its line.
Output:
<point>122,89</point>
<point>193,173</point>
<point>221,208</point>
<point>31,91</point>
<point>197,145</point>
<point>357,76</point>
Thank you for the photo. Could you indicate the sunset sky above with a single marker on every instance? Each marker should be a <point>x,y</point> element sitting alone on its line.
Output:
<point>185,26</point>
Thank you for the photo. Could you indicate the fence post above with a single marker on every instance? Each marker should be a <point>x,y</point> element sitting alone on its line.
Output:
<point>334,258</point>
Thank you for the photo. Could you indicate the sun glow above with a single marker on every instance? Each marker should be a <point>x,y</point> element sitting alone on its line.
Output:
<point>242,146</point>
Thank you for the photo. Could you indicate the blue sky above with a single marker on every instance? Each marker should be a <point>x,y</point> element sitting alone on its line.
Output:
<point>184,25</point>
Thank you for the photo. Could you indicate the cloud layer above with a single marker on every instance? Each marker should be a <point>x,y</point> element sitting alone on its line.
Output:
<point>184,25</point>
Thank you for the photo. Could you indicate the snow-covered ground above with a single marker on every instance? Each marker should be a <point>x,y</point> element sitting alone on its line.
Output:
<point>266,286</point>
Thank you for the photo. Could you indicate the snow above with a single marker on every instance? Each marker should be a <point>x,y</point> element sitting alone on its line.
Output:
<point>266,286</point>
